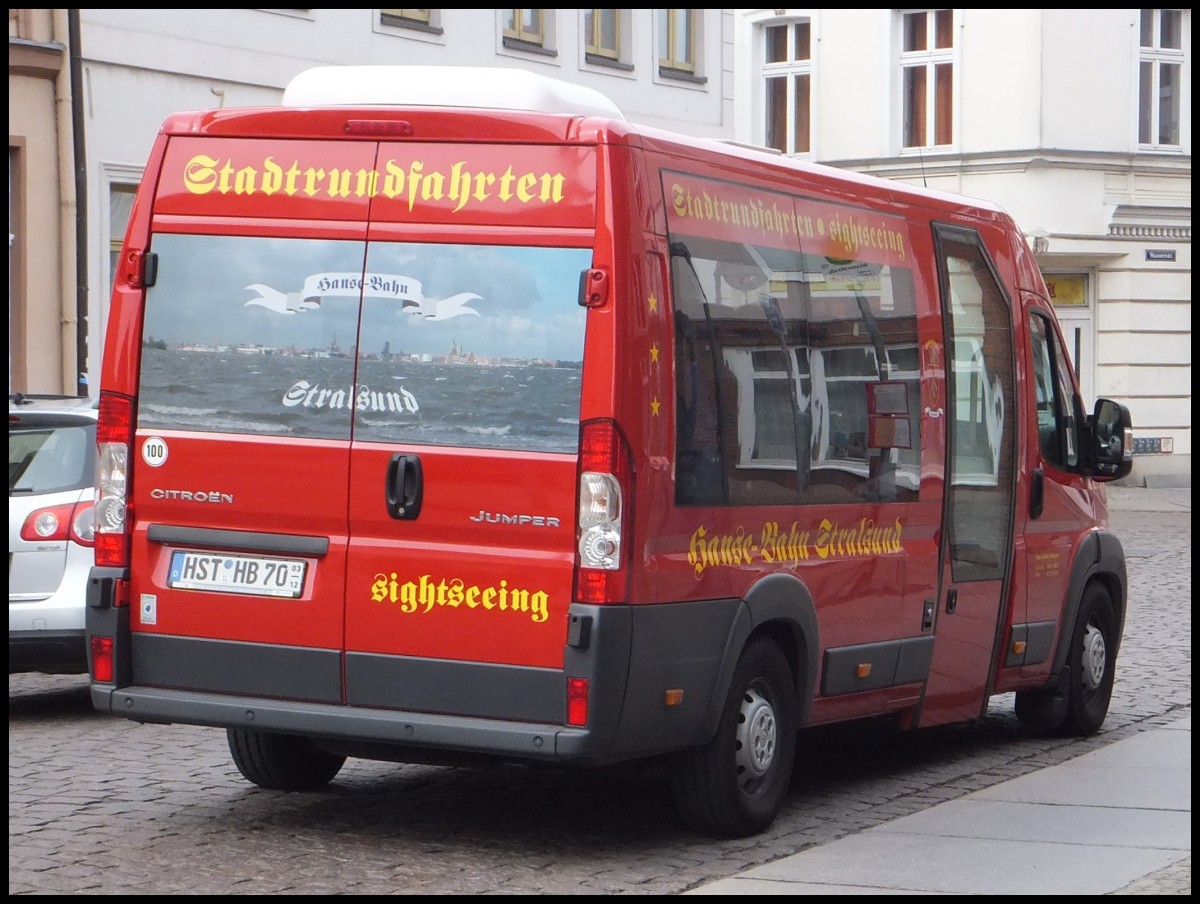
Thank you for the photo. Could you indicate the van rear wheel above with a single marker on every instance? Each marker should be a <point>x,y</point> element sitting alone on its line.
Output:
<point>735,785</point>
<point>279,762</point>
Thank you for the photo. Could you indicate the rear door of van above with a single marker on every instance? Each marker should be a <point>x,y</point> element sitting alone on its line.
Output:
<point>464,455</point>
<point>244,417</point>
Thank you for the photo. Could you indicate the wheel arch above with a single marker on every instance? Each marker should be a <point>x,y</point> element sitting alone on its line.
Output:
<point>1100,558</point>
<point>778,606</point>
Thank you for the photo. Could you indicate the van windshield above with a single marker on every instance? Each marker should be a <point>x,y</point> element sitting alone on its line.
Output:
<point>443,344</point>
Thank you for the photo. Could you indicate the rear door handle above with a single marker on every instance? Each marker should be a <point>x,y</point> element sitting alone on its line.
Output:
<point>404,486</point>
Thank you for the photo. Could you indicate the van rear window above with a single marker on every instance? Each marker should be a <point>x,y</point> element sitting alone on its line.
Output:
<point>434,344</point>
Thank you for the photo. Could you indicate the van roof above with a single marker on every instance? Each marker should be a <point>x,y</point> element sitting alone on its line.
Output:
<point>444,86</point>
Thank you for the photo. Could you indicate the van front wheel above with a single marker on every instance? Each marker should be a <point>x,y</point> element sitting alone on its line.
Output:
<point>280,762</point>
<point>1081,706</point>
<point>735,785</point>
<point>1093,660</point>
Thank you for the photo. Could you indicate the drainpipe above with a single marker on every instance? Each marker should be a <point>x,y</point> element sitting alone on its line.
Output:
<point>72,206</point>
<point>79,150</point>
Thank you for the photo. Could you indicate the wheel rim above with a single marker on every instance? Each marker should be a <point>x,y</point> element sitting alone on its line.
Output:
<point>1094,659</point>
<point>757,739</point>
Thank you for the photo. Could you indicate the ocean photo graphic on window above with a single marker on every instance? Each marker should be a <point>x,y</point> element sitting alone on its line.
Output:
<point>459,345</point>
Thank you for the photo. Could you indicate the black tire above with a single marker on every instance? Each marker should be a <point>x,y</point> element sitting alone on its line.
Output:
<point>735,785</point>
<point>1080,708</point>
<point>1092,659</point>
<point>282,762</point>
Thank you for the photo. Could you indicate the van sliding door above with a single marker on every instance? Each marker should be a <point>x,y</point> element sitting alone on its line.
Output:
<point>978,535</point>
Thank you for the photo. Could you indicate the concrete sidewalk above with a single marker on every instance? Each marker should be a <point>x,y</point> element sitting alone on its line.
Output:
<point>1114,821</point>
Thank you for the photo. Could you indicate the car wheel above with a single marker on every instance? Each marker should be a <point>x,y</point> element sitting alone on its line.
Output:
<point>735,785</point>
<point>1092,659</point>
<point>1081,707</point>
<point>282,762</point>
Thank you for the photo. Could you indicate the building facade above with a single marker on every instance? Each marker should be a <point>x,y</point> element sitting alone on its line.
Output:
<point>1078,122</point>
<point>47,300</point>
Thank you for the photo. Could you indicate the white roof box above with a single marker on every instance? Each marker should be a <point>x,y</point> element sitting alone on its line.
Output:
<point>443,86</point>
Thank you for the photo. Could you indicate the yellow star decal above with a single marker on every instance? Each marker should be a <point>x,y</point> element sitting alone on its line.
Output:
<point>654,406</point>
<point>654,353</point>
<point>653,302</point>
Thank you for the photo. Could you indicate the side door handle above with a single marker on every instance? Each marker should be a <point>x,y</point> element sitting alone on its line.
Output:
<point>404,486</point>
<point>1037,494</point>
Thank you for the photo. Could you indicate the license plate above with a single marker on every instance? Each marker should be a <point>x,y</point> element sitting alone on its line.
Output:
<point>223,573</point>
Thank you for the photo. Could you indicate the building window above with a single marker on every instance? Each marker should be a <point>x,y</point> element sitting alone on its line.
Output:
<point>603,29</point>
<point>426,20</point>
<point>787,78</point>
<point>927,71</point>
<point>677,41</point>
<point>1160,81</point>
<point>525,26</point>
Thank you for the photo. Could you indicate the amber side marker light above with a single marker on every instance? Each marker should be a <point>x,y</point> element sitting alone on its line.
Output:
<point>102,658</point>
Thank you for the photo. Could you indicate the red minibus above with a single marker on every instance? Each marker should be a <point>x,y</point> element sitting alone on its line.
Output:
<point>447,416</point>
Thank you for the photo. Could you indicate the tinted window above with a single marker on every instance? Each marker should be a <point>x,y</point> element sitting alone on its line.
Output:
<point>797,377</point>
<point>982,391</point>
<point>1054,396</point>
<point>50,459</point>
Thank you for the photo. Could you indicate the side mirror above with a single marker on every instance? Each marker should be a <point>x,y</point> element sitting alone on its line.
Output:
<point>1111,440</point>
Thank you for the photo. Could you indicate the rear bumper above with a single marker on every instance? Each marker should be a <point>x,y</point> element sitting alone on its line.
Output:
<point>420,704</point>
<point>335,722</point>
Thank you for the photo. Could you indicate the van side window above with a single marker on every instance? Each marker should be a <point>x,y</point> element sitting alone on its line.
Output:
<point>1056,401</point>
<point>797,377</point>
<point>981,392</point>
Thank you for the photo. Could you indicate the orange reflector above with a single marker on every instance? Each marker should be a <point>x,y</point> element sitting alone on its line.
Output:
<point>863,670</point>
<point>673,696</point>
<point>577,701</point>
<point>102,659</point>
<point>1018,647</point>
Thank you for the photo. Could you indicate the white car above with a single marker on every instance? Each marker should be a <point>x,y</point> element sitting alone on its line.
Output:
<point>51,477</point>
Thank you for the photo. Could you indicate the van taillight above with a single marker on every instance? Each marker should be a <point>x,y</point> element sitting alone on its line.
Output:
<point>605,500</point>
<point>114,436</point>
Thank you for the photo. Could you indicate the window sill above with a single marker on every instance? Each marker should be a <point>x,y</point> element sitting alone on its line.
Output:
<point>528,47</point>
<point>593,59</point>
<point>681,75</point>
<point>410,25</point>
